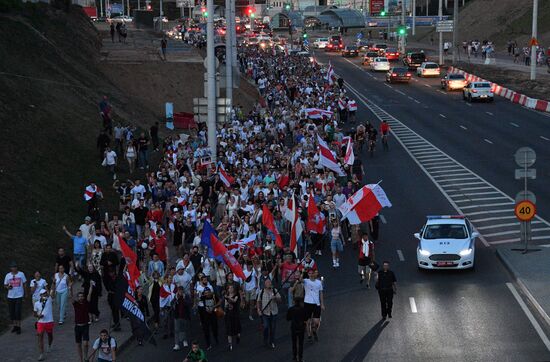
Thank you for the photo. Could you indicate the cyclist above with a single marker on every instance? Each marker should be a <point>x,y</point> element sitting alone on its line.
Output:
<point>384,130</point>
<point>360,136</point>
<point>372,139</point>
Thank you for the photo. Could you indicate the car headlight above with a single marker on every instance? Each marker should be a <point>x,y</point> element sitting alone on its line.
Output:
<point>465,252</point>
<point>424,252</point>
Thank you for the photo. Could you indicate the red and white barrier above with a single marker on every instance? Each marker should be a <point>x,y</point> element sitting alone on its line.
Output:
<point>514,97</point>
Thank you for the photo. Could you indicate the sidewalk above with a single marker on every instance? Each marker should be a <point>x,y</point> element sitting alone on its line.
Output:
<point>24,347</point>
<point>531,273</point>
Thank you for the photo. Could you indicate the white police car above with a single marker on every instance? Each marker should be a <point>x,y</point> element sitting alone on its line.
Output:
<point>446,242</point>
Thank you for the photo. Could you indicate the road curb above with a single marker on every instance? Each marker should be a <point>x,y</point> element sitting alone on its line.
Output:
<point>525,290</point>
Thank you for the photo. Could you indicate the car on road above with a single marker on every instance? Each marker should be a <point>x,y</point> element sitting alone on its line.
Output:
<point>364,45</point>
<point>334,46</point>
<point>157,18</point>
<point>380,48</point>
<point>398,74</point>
<point>480,91</point>
<point>350,51</point>
<point>392,54</point>
<point>380,64</point>
<point>428,69</point>
<point>320,43</point>
<point>453,81</point>
<point>122,19</point>
<point>446,242</point>
<point>369,57</point>
<point>414,60</point>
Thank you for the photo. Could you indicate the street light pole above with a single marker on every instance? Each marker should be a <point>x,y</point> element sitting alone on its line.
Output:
<point>440,15</point>
<point>455,31</point>
<point>234,39</point>
<point>211,77</point>
<point>161,14</point>
<point>413,17</point>
<point>402,37</point>
<point>228,52</point>
<point>534,36</point>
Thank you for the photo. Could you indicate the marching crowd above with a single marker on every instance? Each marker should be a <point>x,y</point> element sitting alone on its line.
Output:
<point>267,198</point>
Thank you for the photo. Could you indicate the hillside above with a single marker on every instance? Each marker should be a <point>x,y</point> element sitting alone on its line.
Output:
<point>51,80</point>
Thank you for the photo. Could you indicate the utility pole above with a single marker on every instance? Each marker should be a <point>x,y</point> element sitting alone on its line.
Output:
<point>161,14</point>
<point>533,40</point>
<point>402,37</point>
<point>455,31</point>
<point>228,52</point>
<point>101,8</point>
<point>427,7</point>
<point>128,7</point>
<point>211,77</point>
<point>234,39</point>
<point>413,17</point>
<point>440,15</point>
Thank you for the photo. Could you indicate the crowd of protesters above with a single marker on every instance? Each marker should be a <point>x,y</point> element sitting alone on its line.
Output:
<point>270,153</point>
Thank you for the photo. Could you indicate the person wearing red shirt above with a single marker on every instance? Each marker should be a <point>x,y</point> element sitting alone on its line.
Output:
<point>288,276</point>
<point>161,246</point>
<point>82,326</point>
<point>384,128</point>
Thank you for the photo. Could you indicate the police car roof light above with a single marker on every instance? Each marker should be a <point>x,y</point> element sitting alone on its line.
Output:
<point>433,217</point>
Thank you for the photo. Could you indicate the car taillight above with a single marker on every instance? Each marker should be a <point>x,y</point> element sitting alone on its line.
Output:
<point>408,74</point>
<point>341,45</point>
<point>474,91</point>
<point>394,74</point>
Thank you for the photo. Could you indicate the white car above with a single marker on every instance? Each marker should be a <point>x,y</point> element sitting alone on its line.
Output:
<point>478,91</point>
<point>157,18</point>
<point>446,242</point>
<point>320,43</point>
<point>380,64</point>
<point>428,69</point>
<point>122,19</point>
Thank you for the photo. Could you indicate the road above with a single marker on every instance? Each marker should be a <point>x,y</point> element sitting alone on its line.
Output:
<point>461,316</point>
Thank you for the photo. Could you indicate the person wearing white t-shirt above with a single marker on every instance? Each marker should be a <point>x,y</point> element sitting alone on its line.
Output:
<point>137,188</point>
<point>61,288</point>
<point>105,346</point>
<point>43,311</point>
<point>110,161</point>
<point>313,303</point>
<point>250,288</point>
<point>14,282</point>
<point>36,285</point>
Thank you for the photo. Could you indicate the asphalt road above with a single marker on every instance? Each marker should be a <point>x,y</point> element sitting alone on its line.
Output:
<point>460,316</point>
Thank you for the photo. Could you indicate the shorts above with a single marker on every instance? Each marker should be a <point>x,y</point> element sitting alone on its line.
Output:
<point>312,310</point>
<point>14,306</point>
<point>336,245</point>
<point>82,333</point>
<point>363,269</point>
<point>44,327</point>
<point>250,295</point>
<point>81,259</point>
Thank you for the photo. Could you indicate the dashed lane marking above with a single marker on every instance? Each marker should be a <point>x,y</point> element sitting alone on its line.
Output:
<point>413,305</point>
<point>488,141</point>
<point>400,255</point>
<point>514,124</point>
<point>464,127</point>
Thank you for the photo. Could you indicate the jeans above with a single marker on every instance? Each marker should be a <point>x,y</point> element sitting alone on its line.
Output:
<point>386,301</point>
<point>80,259</point>
<point>269,322</point>
<point>181,326</point>
<point>61,300</point>
<point>143,162</point>
<point>166,320</point>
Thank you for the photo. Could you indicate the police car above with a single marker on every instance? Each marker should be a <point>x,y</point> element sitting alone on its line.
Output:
<point>446,242</point>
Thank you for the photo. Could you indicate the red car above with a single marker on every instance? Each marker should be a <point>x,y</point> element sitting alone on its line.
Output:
<point>334,46</point>
<point>392,54</point>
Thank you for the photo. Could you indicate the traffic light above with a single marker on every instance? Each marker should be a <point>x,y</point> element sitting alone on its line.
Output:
<point>287,6</point>
<point>304,35</point>
<point>149,7</point>
<point>204,12</point>
<point>402,30</point>
<point>383,13</point>
<point>251,12</point>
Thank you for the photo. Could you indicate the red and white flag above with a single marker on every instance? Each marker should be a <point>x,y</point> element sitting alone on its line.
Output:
<point>363,205</point>
<point>342,104</point>
<point>291,214</point>
<point>315,218</point>
<point>91,191</point>
<point>131,263</point>
<point>316,113</point>
<point>330,74</point>
<point>269,223</point>
<point>346,140</point>
<point>349,158</point>
<point>327,159</point>
<point>240,244</point>
<point>166,294</point>
<point>225,178</point>
<point>352,105</point>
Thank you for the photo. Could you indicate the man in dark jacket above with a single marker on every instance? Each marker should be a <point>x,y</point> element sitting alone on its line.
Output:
<point>297,317</point>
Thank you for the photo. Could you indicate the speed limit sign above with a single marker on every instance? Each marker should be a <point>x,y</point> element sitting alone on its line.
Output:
<point>525,210</point>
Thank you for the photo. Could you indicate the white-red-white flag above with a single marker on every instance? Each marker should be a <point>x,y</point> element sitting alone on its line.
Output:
<point>364,204</point>
<point>91,191</point>
<point>352,105</point>
<point>349,158</point>
<point>291,214</point>
<point>317,113</point>
<point>225,178</point>
<point>327,159</point>
<point>240,244</point>
<point>330,74</point>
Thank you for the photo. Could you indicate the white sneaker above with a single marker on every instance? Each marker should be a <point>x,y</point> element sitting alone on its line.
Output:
<point>185,344</point>
<point>48,348</point>
<point>176,347</point>
<point>337,264</point>
<point>41,357</point>
<point>250,317</point>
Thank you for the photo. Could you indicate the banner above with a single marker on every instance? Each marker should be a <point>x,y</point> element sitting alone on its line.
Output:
<point>376,6</point>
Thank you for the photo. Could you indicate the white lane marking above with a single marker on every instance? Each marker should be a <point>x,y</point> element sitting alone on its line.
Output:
<point>513,124</point>
<point>387,85</point>
<point>440,91</point>
<point>398,91</point>
<point>427,85</point>
<point>510,224</point>
<point>464,128</point>
<point>489,113</point>
<point>416,101</point>
<point>488,141</point>
<point>544,138</point>
<point>493,218</point>
<point>413,305</point>
<point>411,98</point>
<point>400,255</point>
<point>416,80</point>
<point>383,219</point>
<point>442,115</point>
<point>468,104</point>
<point>529,315</point>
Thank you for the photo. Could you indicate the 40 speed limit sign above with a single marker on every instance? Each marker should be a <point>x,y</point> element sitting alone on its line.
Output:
<point>525,210</point>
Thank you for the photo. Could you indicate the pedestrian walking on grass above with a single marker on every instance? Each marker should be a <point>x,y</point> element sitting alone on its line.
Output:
<point>386,284</point>
<point>14,282</point>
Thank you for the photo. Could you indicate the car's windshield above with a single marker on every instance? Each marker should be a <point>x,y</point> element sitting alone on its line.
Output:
<point>456,76</point>
<point>445,231</point>
<point>431,66</point>
<point>482,85</point>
